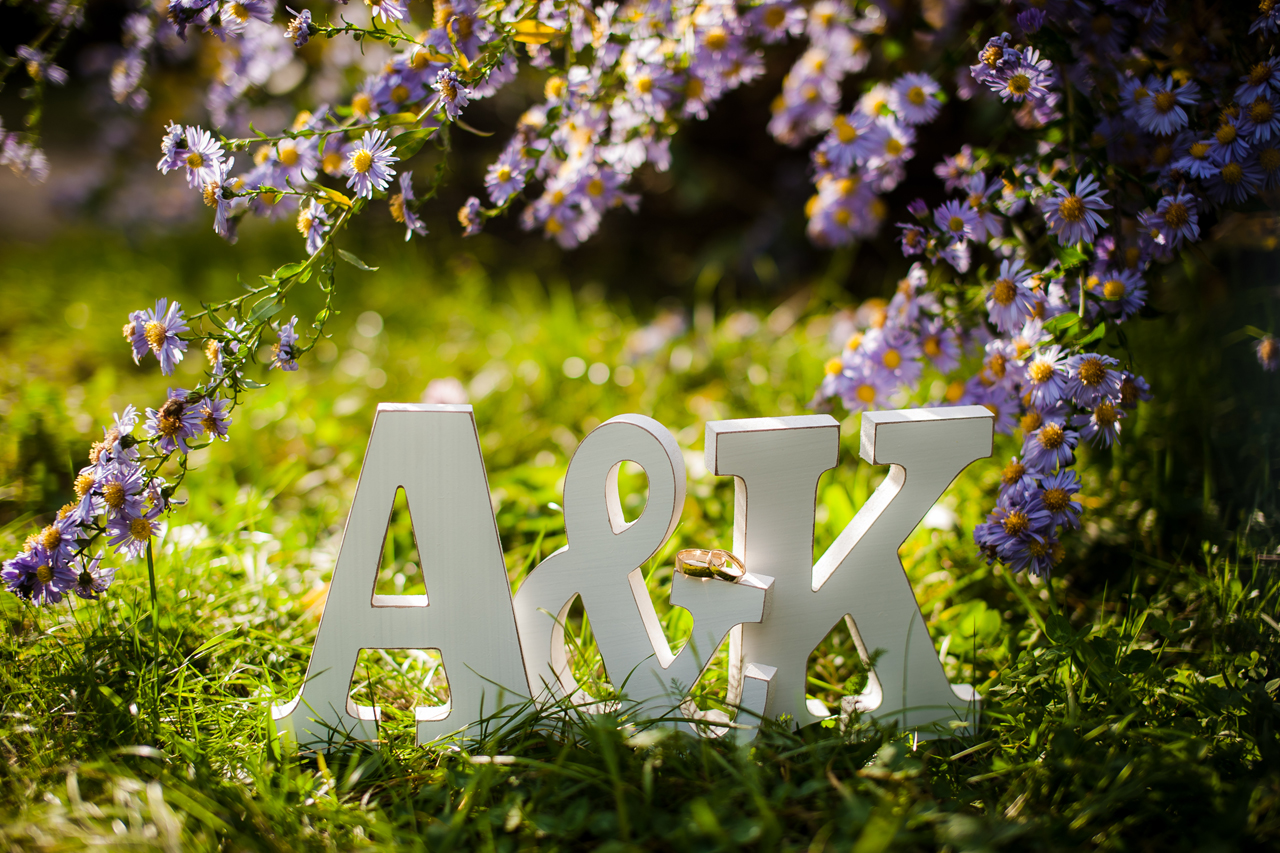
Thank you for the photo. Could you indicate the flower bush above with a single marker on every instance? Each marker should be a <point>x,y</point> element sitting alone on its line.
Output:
<point>1127,128</point>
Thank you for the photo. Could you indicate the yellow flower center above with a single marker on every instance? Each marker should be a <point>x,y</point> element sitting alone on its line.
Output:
<point>155,332</point>
<point>1092,371</point>
<point>774,16</point>
<point>866,394</point>
<point>361,160</point>
<point>1261,72</point>
<point>305,221</point>
<point>1165,102</point>
<point>44,575</point>
<point>833,366</point>
<point>1040,372</point>
<point>400,93</point>
<point>932,346</point>
<point>595,187</point>
<point>397,207</point>
<point>891,359</point>
<point>1232,173</point>
<point>1199,150</point>
<point>1052,436</point>
<point>916,96</point>
<point>893,147</point>
<point>140,529</point>
<point>1268,349</point>
<point>694,88</point>
<point>1071,208</point>
<point>362,104</point>
<point>211,193</point>
<point>855,341</point>
<point>553,226</point>
<point>644,84</point>
<point>1004,291</point>
<point>211,351</point>
<point>955,390</point>
<point>1177,215</point>
<point>1016,523</point>
<point>955,224</point>
<point>332,162</point>
<point>1031,421</point>
<point>1269,159</point>
<point>1113,289</point>
<point>716,39</point>
<point>50,537</point>
<point>997,364</point>
<point>1012,473</point>
<point>1019,84</point>
<point>503,174</point>
<point>1226,134</point>
<point>990,56</point>
<point>1261,111</point>
<point>1105,415</point>
<point>82,485</point>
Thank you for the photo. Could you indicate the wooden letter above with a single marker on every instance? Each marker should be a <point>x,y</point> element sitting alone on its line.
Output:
<point>777,463</point>
<point>434,454</point>
<point>602,563</point>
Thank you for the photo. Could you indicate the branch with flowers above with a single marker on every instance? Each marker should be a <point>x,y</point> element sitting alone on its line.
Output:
<point>1112,158</point>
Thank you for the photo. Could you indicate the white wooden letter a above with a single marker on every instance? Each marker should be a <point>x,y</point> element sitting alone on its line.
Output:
<point>433,453</point>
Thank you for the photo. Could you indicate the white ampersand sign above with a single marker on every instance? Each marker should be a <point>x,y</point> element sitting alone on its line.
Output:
<point>603,563</point>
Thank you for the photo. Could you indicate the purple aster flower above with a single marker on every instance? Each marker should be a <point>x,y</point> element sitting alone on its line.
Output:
<point>1268,352</point>
<point>1055,497</point>
<point>119,489</point>
<point>940,344</point>
<point>1162,110</point>
<point>957,254</point>
<point>1030,21</point>
<point>1010,302</point>
<point>38,576</point>
<point>999,399</point>
<point>300,28</point>
<point>1101,426</point>
<point>1028,79</point>
<point>176,422</point>
<point>157,331</point>
<point>1228,143</point>
<point>216,350</point>
<point>955,171</point>
<point>980,189</point>
<point>1011,524</point>
<point>914,97</point>
<point>1175,220</point>
<point>1196,162</point>
<point>470,218</point>
<point>39,67</point>
<point>1091,378</point>
<point>130,536</point>
<point>1036,553</point>
<point>91,578</point>
<point>957,220</point>
<point>369,163</point>
<point>1133,389</point>
<point>1046,378</point>
<point>1071,215</point>
<point>506,177</point>
<point>1269,19</point>
<point>1235,181</point>
<point>1261,118</point>
<point>173,148</point>
<point>995,58</point>
<point>1049,447</point>
<point>203,159</point>
<point>1264,77</point>
<point>1017,484</point>
<point>389,10</point>
<point>236,14</point>
<point>213,413</point>
<point>218,196</point>
<point>312,222</point>
<point>453,94</point>
<point>401,211</point>
<point>1124,292</point>
<point>776,20</point>
<point>284,353</point>
<point>914,239</point>
<point>854,139</point>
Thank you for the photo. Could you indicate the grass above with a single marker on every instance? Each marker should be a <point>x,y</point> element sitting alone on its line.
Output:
<point>1130,707</point>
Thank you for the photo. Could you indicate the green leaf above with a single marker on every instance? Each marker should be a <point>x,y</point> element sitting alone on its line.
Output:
<point>355,262</point>
<point>288,271</point>
<point>1096,335</point>
<point>1069,256</point>
<point>409,143</point>
<point>251,385</point>
<point>1062,321</point>
<point>264,310</point>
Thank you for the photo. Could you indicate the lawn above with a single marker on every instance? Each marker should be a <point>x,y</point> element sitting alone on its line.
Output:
<point>1130,705</point>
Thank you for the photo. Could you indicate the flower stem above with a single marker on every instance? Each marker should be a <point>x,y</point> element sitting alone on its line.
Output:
<point>155,642</point>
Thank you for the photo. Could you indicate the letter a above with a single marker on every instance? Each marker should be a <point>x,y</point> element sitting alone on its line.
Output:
<point>777,463</point>
<point>433,453</point>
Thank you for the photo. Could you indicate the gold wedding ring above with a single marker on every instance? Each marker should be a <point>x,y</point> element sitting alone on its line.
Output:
<point>713,563</point>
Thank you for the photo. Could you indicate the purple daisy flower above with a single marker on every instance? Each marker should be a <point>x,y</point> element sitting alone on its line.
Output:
<point>1102,425</point>
<point>213,413</point>
<point>469,217</point>
<point>1016,482</point>
<point>1235,181</point>
<point>130,536</point>
<point>1092,379</point>
<point>1049,447</point>
<point>1268,352</point>
<point>854,139</point>
<point>955,171</point>
<point>1012,523</point>
<point>173,148</point>
<point>218,196</point>
<point>1036,554</point>
<point>1175,220</point>
<point>1228,143</point>
<point>38,576</point>
<point>1196,162</point>
<point>1010,302</point>
<point>914,239</point>
<point>1028,79</point>
<point>389,10</point>
<point>1071,215</point>
<point>176,422</point>
<point>957,220</point>
<point>940,344</point>
<point>119,488</point>
<point>453,94</point>
<point>369,163</point>
<point>1264,77</point>
<point>203,159</point>
<point>284,353</point>
<point>1054,496</point>
<point>914,97</point>
<point>157,330</point>
<point>1046,378</point>
<point>300,28</point>
<point>1261,118</point>
<point>401,210</point>
<point>1124,292</point>
<point>506,177</point>
<point>91,578</point>
<point>216,350</point>
<point>1162,110</point>
<point>312,221</point>
<point>1133,389</point>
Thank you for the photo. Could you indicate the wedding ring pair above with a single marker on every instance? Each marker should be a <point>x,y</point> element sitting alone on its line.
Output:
<point>713,563</point>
